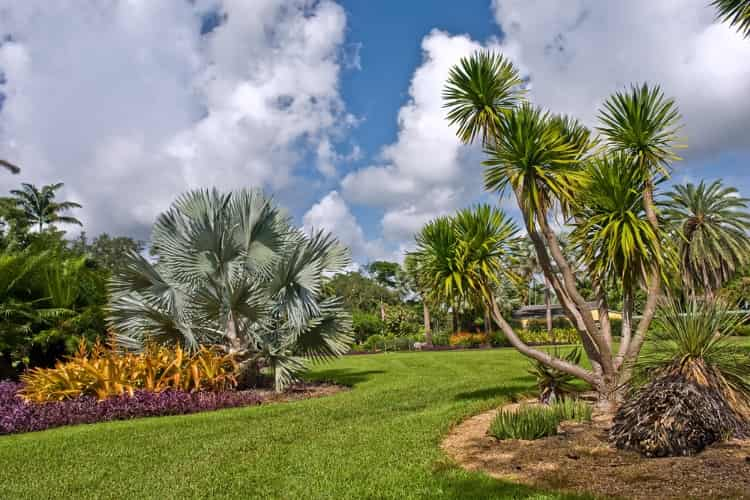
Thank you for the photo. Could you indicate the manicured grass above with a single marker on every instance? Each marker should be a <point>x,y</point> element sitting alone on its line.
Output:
<point>379,440</point>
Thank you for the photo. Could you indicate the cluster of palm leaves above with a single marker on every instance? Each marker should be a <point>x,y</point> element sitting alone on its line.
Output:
<point>462,256</point>
<point>711,224</point>
<point>736,13</point>
<point>39,208</point>
<point>231,271</point>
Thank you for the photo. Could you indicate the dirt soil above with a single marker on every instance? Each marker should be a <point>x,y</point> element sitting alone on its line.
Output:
<point>303,390</point>
<point>580,460</point>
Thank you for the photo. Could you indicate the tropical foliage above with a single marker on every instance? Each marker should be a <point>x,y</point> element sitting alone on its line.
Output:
<point>231,271</point>
<point>537,421</point>
<point>734,12</point>
<point>697,384</point>
<point>39,205</point>
<point>103,372</point>
<point>603,185</point>
<point>711,222</point>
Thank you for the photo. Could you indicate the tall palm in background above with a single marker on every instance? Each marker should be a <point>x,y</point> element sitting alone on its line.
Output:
<point>232,271</point>
<point>412,281</point>
<point>734,12</point>
<point>39,205</point>
<point>712,222</point>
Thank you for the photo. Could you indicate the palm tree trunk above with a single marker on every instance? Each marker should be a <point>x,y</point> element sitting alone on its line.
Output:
<point>455,318</point>
<point>548,307</point>
<point>427,326</point>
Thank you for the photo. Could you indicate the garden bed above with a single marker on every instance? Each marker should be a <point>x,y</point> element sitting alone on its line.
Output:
<point>580,460</point>
<point>18,416</point>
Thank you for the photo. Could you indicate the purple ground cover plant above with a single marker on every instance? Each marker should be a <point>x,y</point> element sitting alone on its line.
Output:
<point>16,415</point>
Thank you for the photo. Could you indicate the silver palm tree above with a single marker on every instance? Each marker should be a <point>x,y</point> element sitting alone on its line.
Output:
<point>232,271</point>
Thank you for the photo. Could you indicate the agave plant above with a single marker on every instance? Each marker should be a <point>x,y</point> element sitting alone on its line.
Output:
<point>555,385</point>
<point>231,271</point>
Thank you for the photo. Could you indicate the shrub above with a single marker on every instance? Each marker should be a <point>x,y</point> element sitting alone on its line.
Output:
<point>498,339</point>
<point>465,339</point>
<point>558,336</point>
<point>374,342</point>
<point>365,325</point>
<point>697,384</point>
<point>441,338</point>
<point>537,421</point>
<point>17,415</point>
<point>103,372</point>
<point>555,385</point>
<point>402,321</point>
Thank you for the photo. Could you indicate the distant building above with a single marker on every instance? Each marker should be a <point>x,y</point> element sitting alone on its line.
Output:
<point>539,312</point>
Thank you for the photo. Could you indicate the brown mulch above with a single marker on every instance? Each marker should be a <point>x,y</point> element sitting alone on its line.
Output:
<point>302,390</point>
<point>580,460</point>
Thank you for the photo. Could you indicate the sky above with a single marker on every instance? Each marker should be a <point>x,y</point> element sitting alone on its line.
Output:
<point>333,107</point>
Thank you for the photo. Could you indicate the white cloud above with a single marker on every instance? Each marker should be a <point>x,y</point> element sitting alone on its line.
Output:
<point>578,52</point>
<point>427,171</point>
<point>332,214</point>
<point>130,105</point>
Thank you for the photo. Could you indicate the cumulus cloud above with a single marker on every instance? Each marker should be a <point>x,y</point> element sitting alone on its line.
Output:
<point>578,52</point>
<point>332,214</point>
<point>427,171</point>
<point>130,110</point>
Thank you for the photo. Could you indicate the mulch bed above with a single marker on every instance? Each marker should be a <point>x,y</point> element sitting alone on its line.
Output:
<point>580,460</point>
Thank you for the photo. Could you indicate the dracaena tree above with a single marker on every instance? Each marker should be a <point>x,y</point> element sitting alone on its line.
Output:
<point>542,161</point>
<point>233,272</point>
<point>734,12</point>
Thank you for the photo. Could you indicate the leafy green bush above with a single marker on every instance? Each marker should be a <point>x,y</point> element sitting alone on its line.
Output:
<point>441,338</point>
<point>537,421</point>
<point>365,325</point>
<point>498,339</point>
<point>402,321</point>
<point>558,336</point>
<point>541,324</point>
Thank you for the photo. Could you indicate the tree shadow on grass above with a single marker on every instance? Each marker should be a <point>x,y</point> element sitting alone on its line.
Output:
<point>477,485</point>
<point>346,376</point>
<point>517,386</point>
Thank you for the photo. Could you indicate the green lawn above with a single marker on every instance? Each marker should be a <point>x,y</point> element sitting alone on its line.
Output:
<point>379,440</point>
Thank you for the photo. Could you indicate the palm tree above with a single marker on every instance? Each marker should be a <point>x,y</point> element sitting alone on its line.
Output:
<point>233,271</point>
<point>539,158</point>
<point>411,279</point>
<point>39,205</point>
<point>734,12</point>
<point>712,222</point>
<point>13,169</point>
<point>643,124</point>
<point>616,241</point>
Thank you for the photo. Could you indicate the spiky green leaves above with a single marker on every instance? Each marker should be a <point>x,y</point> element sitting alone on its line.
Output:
<point>537,156</point>
<point>734,12</point>
<point>466,254</point>
<point>712,222</point>
<point>692,340</point>
<point>615,238</point>
<point>643,123</point>
<point>479,91</point>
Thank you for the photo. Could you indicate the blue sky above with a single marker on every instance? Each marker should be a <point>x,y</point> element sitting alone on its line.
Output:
<point>332,106</point>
